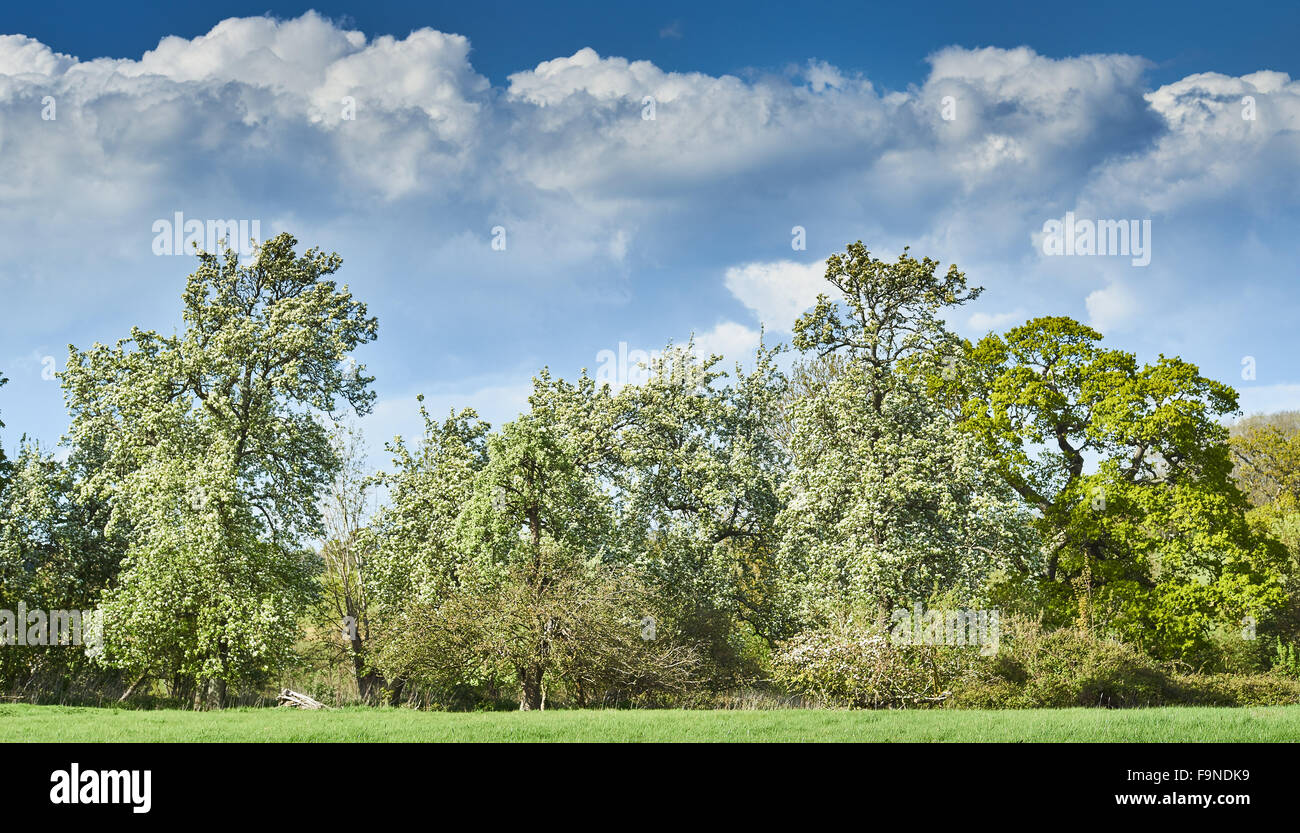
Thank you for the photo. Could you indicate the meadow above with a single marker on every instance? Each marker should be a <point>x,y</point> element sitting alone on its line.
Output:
<point>26,723</point>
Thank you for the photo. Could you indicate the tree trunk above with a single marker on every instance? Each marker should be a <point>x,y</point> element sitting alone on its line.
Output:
<point>531,693</point>
<point>369,685</point>
<point>395,691</point>
<point>223,654</point>
<point>369,682</point>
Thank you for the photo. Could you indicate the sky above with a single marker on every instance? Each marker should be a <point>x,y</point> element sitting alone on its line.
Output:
<point>519,185</point>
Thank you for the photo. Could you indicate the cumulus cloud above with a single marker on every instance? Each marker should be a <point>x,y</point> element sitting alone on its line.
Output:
<point>983,322</point>
<point>735,342</point>
<point>778,291</point>
<point>1224,138</point>
<point>1111,308</point>
<point>400,155</point>
<point>264,98</point>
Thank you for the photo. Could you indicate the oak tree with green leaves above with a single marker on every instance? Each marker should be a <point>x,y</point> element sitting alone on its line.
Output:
<point>1127,470</point>
<point>215,456</point>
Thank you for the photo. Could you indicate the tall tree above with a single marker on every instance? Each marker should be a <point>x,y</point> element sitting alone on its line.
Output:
<point>413,557</point>
<point>540,506</point>
<point>699,470</point>
<point>1127,469</point>
<point>346,552</point>
<point>887,504</point>
<point>215,458</point>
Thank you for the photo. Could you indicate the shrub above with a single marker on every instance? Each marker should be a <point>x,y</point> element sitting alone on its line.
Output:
<point>577,638</point>
<point>1286,660</point>
<point>1063,668</point>
<point>1271,689</point>
<point>853,664</point>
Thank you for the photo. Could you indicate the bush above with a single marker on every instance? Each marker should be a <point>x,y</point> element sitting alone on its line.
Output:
<point>1225,650</point>
<point>856,665</point>
<point>579,638</point>
<point>1071,667</point>
<point>1271,689</point>
<point>1286,659</point>
<point>1061,669</point>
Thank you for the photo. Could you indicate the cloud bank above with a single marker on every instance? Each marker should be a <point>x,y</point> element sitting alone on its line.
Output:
<point>635,204</point>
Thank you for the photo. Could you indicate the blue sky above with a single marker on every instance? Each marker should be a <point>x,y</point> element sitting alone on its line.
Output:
<point>887,41</point>
<point>959,129</point>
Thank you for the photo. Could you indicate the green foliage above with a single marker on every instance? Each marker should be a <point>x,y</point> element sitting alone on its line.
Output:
<point>1039,668</point>
<point>415,555</point>
<point>1061,668</point>
<point>1286,659</point>
<point>735,515</point>
<point>543,480</point>
<point>53,556</point>
<point>1153,544</point>
<point>1232,650</point>
<point>213,460</point>
<point>576,632</point>
<point>695,478</point>
<point>886,501</point>
<point>1266,457</point>
<point>1237,690</point>
<point>513,558</point>
<point>854,663</point>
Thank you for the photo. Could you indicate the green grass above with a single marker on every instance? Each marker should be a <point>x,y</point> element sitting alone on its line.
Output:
<point>62,723</point>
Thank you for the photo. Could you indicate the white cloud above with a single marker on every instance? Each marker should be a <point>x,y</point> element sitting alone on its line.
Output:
<point>21,55</point>
<point>1112,308</point>
<point>1216,145</point>
<point>983,322</point>
<point>735,342</point>
<point>256,95</point>
<point>672,30</point>
<point>779,291</point>
<point>247,121</point>
<point>1029,129</point>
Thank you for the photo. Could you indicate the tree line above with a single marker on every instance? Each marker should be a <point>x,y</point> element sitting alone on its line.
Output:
<point>710,530</point>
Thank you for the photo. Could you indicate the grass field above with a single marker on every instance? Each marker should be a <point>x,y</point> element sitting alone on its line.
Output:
<point>60,723</point>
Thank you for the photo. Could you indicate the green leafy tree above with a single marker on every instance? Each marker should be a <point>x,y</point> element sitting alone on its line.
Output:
<point>887,503</point>
<point>698,475</point>
<point>1266,465</point>
<point>215,458</point>
<point>53,556</point>
<point>347,555</point>
<point>582,631</point>
<point>540,504</point>
<point>412,553</point>
<point>1266,458</point>
<point>1127,470</point>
